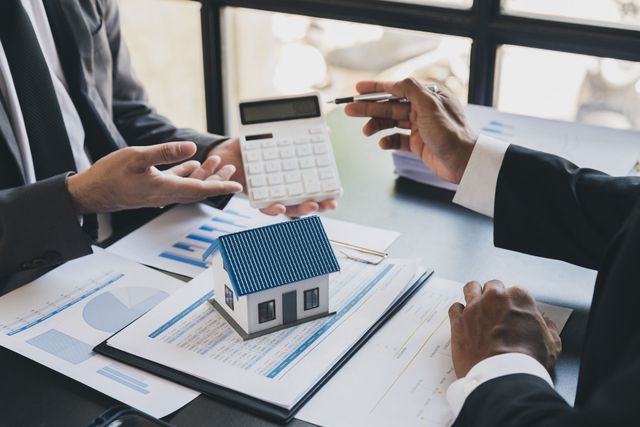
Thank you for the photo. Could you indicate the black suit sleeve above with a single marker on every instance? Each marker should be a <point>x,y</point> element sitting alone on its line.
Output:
<point>547,206</point>
<point>138,123</point>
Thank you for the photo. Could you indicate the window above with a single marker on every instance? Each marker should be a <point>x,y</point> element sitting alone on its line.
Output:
<point>474,47</point>
<point>311,299</point>
<point>266,311</point>
<point>228,296</point>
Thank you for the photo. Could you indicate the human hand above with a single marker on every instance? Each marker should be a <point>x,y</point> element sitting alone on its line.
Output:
<point>497,320</point>
<point>128,179</point>
<point>440,133</point>
<point>229,151</point>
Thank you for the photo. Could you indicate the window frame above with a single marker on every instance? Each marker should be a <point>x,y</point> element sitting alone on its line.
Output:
<point>315,290</point>
<point>484,23</point>
<point>268,302</point>
<point>228,297</point>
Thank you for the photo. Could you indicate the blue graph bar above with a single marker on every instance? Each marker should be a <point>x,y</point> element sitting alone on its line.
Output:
<point>498,131</point>
<point>344,310</point>
<point>236,213</point>
<point>67,305</point>
<point>200,238</point>
<point>207,228</point>
<point>206,297</point>
<point>210,250</point>
<point>223,221</point>
<point>63,346</point>
<point>184,246</point>
<point>124,379</point>
<point>184,260</point>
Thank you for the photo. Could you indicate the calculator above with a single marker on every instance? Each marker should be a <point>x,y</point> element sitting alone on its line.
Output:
<point>286,151</point>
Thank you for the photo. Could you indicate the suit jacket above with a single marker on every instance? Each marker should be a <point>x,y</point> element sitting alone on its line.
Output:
<point>547,206</point>
<point>38,225</point>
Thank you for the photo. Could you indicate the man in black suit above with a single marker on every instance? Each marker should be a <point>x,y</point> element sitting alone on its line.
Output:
<point>69,102</point>
<point>543,205</point>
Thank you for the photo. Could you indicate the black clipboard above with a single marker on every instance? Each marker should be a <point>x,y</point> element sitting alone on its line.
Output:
<point>241,400</point>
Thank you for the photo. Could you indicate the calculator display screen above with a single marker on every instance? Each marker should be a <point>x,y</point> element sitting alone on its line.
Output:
<point>279,110</point>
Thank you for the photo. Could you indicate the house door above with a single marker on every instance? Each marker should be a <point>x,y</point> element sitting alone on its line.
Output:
<point>289,307</point>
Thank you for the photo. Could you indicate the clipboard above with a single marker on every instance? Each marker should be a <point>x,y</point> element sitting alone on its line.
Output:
<point>248,403</point>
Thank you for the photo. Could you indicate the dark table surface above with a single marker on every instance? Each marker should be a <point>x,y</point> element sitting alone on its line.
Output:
<point>456,242</point>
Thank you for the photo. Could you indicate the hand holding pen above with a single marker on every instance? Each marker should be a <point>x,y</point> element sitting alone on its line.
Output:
<point>378,97</point>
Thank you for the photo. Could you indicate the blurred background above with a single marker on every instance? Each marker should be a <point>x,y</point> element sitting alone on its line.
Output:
<point>267,53</point>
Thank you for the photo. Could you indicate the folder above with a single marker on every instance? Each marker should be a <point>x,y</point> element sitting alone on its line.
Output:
<point>248,403</point>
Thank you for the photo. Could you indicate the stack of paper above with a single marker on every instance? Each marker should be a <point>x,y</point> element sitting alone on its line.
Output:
<point>612,151</point>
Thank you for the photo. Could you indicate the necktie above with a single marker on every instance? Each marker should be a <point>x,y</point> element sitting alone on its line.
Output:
<point>48,139</point>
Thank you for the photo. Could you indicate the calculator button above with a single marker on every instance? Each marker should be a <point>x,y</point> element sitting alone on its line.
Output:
<point>303,150</point>
<point>291,177</point>
<point>277,192</point>
<point>287,152</point>
<point>268,144</point>
<point>252,145</point>
<point>319,149</point>
<point>294,189</point>
<point>289,164</point>
<point>254,168</point>
<point>270,154</point>
<point>312,186</point>
<point>253,156</point>
<point>325,173</point>
<point>317,139</point>
<point>258,180</point>
<point>330,185</point>
<point>306,162</point>
<point>274,178</point>
<point>301,141</point>
<point>315,130</point>
<point>284,143</point>
<point>323,161</point>
<point>259,193</point>
<point>272,166</point>
<point>310,175</point>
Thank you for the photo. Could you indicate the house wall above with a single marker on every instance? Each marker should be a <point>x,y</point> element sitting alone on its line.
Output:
<point>253,300</point>
<point>220,279</point>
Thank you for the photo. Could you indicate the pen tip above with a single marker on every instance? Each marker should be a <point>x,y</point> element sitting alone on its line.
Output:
<point>331,102</point>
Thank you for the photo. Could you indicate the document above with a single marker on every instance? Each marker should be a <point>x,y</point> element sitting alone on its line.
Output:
<point>58,319</point>
<point>184,239</point>
<point>184,332</point>
<point>401,375</point>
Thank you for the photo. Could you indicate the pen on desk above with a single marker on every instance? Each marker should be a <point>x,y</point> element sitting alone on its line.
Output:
<point>376,97</point>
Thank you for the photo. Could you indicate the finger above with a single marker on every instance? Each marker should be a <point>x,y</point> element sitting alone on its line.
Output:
<point>164,154</point>
<point>368,86</point>
<point>551,325</point>
<point>493,285</point>
<point>207,168</point>
<point>414,91</point>
<point>376,125</point>
<point>327,205</point>
<point>223,174</point>
<point>472,290</point>
<point>383,110</point>
<point>186,190</point>
<point>302,209</point>
<point>184,169</point>
<point>274,210</point>
<point>397,141</point>
<point>455,311</point>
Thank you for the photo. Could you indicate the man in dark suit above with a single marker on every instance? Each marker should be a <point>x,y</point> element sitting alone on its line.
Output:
<point>69,102</point>
<point>543,205</point>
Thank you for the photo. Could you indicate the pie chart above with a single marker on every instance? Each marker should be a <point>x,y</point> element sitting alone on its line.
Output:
<point>113,310</point>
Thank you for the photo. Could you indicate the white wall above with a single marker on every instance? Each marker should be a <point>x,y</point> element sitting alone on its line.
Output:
<point>221,279</point>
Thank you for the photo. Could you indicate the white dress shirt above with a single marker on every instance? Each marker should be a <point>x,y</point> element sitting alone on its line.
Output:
<point>477,191</point>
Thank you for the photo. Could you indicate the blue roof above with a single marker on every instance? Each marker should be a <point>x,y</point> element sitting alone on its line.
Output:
<point>275,255</point>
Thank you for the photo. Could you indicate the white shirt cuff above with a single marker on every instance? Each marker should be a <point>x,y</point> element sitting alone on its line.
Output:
<point>488,369</point>
<point>477,189</point>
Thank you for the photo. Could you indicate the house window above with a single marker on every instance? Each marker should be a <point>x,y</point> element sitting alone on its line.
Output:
<point>266,311</point>
<point>228,297</point>
<point>312,298</point>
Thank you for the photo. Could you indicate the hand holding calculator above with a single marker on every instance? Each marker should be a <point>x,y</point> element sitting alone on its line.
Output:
<point>286,151</point>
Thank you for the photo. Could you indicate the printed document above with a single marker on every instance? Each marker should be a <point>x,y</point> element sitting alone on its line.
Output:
<point>401,375</point>
<point>184,239</point>
<point>184,332</point>
<point>59,318</point>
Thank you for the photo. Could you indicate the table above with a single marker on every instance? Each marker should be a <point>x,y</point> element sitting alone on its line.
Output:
<point>456,242</point>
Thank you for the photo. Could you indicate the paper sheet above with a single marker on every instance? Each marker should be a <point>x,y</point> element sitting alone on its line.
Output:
<point>186,333</point>
<point>58,319</point>
<point>177,240</point>
<point>401,375</point>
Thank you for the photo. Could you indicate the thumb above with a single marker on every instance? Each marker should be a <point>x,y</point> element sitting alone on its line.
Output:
<point>163,154</point>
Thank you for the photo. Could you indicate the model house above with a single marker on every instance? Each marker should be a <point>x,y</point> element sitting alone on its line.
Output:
<point>273,277</point>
